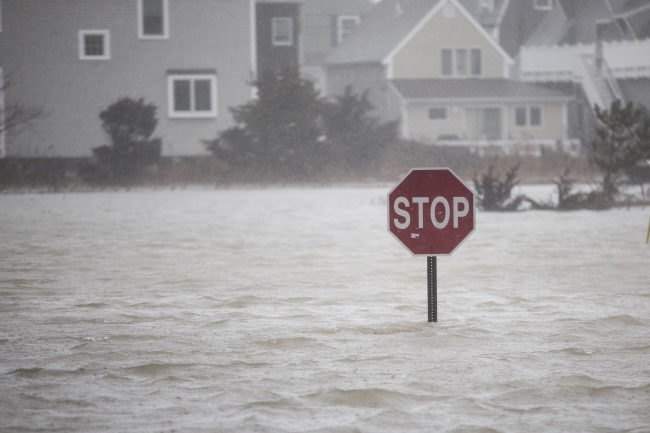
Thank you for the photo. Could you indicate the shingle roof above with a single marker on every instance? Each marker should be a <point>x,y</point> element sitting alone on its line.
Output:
<point>636,90</point>
<point>388,23</point>
<point>552,29</point>
<point>474,88</point>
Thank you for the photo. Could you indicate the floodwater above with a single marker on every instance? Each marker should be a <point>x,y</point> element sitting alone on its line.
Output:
<point>293,310</point>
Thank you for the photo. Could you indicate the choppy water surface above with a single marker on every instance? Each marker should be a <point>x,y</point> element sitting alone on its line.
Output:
<point>294,310</point>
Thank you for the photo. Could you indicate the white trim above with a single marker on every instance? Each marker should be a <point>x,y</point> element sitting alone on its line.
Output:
<point>165,34</point>
<point>253,36</point>
<point>192,113</point>
<point>493,100</point>
<point>388,60</point>
<point>339,25</point>
<point>3,148</point>
<point>548,7</point>
<point>106,40</point>
<point>276,43</point>
<point>565,122</point>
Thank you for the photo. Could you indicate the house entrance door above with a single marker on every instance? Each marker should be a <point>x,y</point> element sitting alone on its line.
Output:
<point>492,123</point>
<point>484,123</point>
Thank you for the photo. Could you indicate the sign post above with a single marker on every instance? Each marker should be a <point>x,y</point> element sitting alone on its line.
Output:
<point>431,212</point>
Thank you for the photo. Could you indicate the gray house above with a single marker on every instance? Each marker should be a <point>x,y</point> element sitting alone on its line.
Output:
<point>325,25</point>
<point>192,59</point>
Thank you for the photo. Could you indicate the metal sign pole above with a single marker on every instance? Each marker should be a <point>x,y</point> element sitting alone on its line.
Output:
<point>432,283</point>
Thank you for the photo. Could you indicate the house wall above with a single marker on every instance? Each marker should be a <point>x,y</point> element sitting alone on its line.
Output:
<point>39,56</point>
<point>422,128</point>
<point>268,55</point>
<point>421,57</point>
<point>361,77</point>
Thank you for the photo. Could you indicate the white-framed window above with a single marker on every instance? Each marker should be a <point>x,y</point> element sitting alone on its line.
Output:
<point>345,24</point>
<point>94,45</point>
<point>543,5</point>
<point>438,113</point>
<point>192,95</point>
<point>461,62</point>
<point>282,31</point>
<point>486,5</point>
<point>153,19</point>
<point>528,117</point>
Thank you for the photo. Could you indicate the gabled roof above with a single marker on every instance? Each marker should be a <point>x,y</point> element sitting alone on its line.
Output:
<point>498,89</point>
<point>387,24</point>
<point>390,25</point>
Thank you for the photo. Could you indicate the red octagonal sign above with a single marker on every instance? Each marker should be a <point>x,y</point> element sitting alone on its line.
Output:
<point>431,212</point>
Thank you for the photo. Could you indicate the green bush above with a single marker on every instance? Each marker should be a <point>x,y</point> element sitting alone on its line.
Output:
<point>494,194</point>
<point>290,133</point>
<point>622,140</point>
<point>129,124</point>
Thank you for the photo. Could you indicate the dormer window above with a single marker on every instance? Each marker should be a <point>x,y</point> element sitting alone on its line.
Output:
<point>543,5</point>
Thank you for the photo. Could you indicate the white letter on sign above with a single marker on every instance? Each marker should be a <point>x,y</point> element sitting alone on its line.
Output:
<point>420,201</point>
<point>402,213</point>
<point>434,220</point>
<point>457,212</point>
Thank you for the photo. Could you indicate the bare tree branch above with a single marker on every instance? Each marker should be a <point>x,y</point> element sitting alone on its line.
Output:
<point>16,116</point>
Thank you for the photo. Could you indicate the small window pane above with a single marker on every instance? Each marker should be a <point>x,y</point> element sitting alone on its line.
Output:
<point>446,62</point>
<point>535,116</point>
<point>282,31</point>
<point>94,45</point>
<point>520,116</point>
<point>438,113</point>
<point>182,95</point>
<point>152,17</point>
<point>476,62</point>
<point>461,62</point>
<point>202,95</point>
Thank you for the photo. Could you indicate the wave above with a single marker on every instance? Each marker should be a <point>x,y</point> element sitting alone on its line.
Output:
<point>623,319</point>
<point>36,372</point>
<point>158,368</point>
<point>362,397</point>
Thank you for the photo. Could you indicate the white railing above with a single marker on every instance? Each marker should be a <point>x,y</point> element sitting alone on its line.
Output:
<point>626,59</point>
<point>584,64</point>
<point>534,147</point>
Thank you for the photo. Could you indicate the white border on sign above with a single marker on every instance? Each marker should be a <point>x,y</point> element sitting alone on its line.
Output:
<point>389,204</point>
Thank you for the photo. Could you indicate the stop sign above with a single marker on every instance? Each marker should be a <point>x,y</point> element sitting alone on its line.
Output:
<point>431,212</point>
